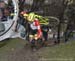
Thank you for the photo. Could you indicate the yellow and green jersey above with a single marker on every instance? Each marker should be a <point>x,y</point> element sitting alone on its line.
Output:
<point>42,20</point>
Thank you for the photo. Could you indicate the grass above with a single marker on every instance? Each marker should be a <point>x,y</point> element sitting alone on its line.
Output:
<point>61,52</point>
<point>10,45</point>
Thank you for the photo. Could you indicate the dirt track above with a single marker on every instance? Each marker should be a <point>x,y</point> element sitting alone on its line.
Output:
<point>19,51</point>
<point>24,54</point>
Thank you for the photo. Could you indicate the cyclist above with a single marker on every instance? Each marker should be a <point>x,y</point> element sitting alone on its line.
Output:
<point>36,21</point>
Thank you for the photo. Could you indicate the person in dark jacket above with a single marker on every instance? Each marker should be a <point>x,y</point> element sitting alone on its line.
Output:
<point>2,17</point>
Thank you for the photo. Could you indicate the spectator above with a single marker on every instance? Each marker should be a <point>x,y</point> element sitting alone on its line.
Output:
<point>2,17</point>
<point>6,12</point>
<point>2,4</point>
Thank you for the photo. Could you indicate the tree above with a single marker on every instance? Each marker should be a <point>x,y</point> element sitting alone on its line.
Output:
<point>61,18</point>
<point>36,5</point>
<point>71,21</point>
<point>21,4</point>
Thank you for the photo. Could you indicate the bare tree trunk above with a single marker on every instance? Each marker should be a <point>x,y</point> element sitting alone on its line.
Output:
<point>36,5</point>
<point>21,4</point>
<point>61,18</point>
